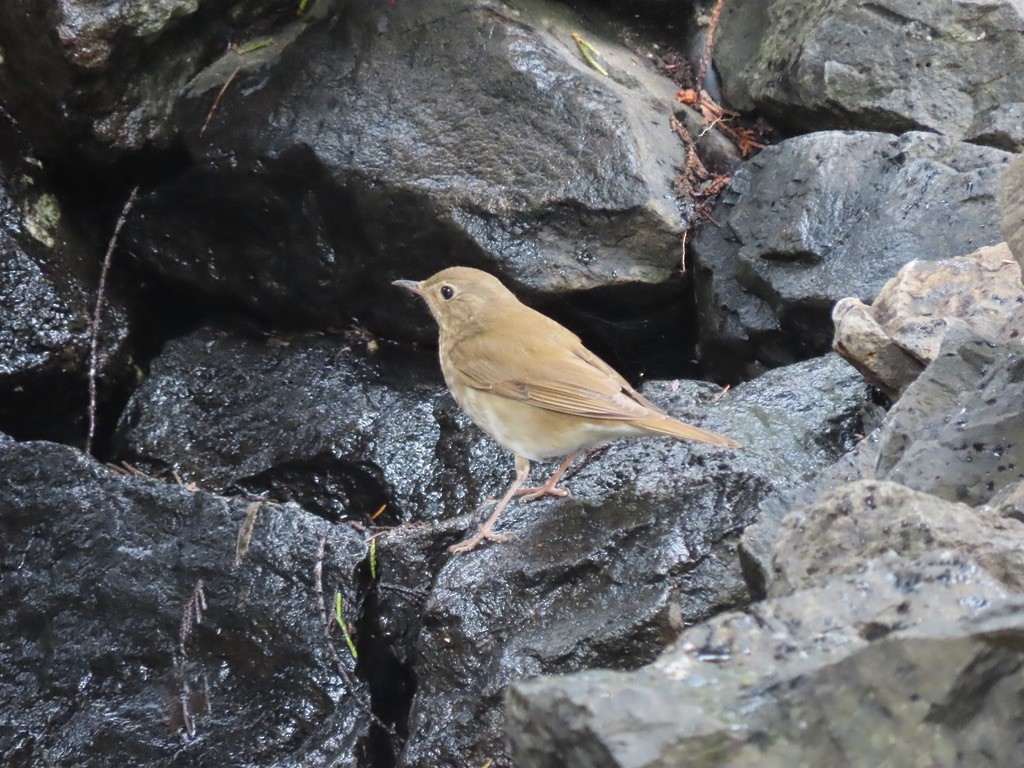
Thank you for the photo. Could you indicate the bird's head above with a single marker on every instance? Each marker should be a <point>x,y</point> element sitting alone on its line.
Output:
<point>459,298</point>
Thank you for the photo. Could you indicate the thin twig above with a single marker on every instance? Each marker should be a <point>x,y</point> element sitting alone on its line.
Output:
<point>191,614</point>
<point>244,538</point>
<point>407,591</point>
<point>216,102</point>
<point>97,315</point>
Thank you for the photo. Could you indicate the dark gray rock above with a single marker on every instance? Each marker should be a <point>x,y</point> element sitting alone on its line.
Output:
<point>896,65</point>
<point>101,77</point>
<point>314,420</point>
<point>955,433</point>
<point>976,450</point>
<point>48,281</point>
<point>826,216</point>
<point>741,27</point>
<point>904,662</point>
<point>391,140</point>
<point>102,661</point>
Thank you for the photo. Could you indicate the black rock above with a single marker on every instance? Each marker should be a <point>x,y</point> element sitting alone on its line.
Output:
<point>147,624</point>
<point>48,283</point>
<point>387,141</point>
<point>825,216</point>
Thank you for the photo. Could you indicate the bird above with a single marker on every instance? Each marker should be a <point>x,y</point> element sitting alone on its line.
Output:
<point>530,384</point>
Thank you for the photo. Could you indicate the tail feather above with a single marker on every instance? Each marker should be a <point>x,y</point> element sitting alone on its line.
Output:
<point>669,426</point>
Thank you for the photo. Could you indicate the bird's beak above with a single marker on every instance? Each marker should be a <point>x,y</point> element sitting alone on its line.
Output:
<point>410,285</point>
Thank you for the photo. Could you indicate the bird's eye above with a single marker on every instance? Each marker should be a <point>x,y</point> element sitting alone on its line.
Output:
<point>447,292</point>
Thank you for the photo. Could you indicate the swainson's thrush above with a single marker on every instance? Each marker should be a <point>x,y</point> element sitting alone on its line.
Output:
<point>529,383</point>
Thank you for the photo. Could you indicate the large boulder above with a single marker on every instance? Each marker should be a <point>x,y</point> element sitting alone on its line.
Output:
<point>99,77</point>
<point>149,624</point>
<point>821,217</point>
<point>894,65</point>
<point>869,518</point>
<point>903,663</point>
<point>389,141</point>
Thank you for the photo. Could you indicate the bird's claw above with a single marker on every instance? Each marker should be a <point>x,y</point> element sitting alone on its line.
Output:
<point>530,494</point>
<point>471,543</point>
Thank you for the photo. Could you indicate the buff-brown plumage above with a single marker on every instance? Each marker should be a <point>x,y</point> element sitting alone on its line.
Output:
<point>529,382</point>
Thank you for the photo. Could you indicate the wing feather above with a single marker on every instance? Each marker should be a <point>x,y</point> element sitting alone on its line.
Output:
<point>558,374</point>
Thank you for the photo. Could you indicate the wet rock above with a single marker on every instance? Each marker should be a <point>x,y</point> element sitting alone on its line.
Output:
<point>644,546</point>
<point>101,77</point>
<point>953,434</point>
<point>825,216</point>
<point>47,294</point>
<point>885,667</point>
<point>897,65</point>
<point>865,519</point>
<point>652,525</point>
<point>312,419</point>
<point>391,140</point>
<point>144,626</point>
<point>1012,205</point>
<point>891,341</point>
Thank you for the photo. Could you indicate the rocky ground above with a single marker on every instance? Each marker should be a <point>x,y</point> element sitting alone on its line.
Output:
<point>254,448</point>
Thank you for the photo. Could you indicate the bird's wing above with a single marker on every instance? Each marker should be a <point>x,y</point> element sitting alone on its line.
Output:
<point>558,374</point>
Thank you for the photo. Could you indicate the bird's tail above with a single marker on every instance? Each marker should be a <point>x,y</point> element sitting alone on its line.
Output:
<point>668,426</point>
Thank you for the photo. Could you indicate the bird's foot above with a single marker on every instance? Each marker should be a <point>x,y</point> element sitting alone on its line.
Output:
<point>537,492</point>
<point>471,543</point>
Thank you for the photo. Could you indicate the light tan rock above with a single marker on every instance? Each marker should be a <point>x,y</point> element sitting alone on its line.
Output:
<point>892,340</point>
<point>1012,204</point>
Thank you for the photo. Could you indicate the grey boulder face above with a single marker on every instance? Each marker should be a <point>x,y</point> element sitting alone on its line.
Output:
<point>866,519</point>
<point>47,297</point>
<point>387,141</point>
<point>825,216</point>
<point>903,662</point>
<point>895,65</point>
<point>955,433</point>
<point>147,624</point>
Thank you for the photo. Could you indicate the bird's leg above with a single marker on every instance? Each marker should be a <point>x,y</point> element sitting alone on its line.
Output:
<point>486,530</point>
<point>548,489</point>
